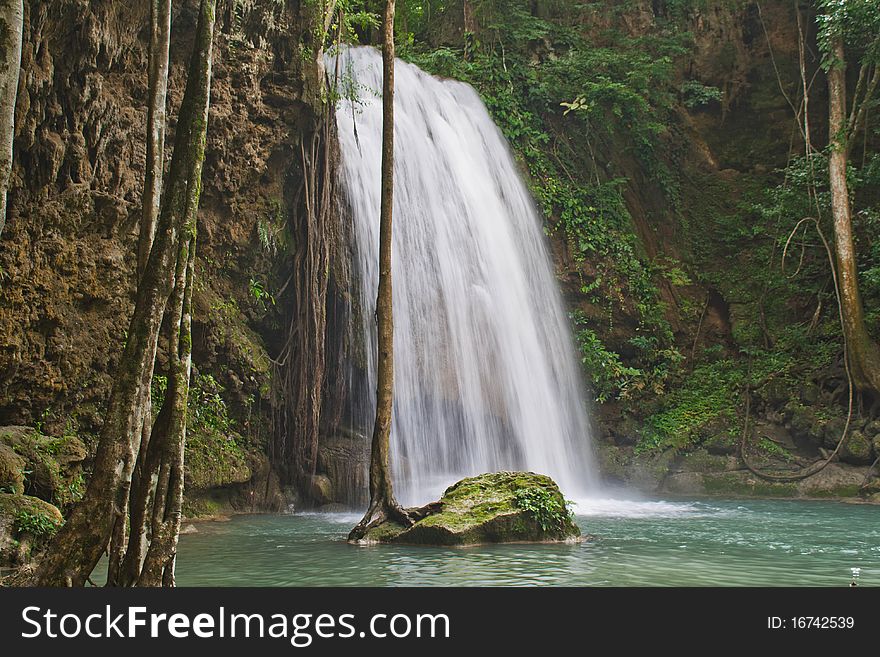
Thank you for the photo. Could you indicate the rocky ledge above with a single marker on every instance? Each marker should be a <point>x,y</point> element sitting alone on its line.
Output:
<point>500,507</point>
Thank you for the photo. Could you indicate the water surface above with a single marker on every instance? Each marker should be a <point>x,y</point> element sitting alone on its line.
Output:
<point>658,543</point>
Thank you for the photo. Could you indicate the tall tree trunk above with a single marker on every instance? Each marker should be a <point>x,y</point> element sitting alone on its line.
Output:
<point>864,353</point>
<point>383,505</point>
<point>77,547</point>
<point>158,566</point>
<point>11,24</point>
<point>160,40</point>
<point>157,497</point>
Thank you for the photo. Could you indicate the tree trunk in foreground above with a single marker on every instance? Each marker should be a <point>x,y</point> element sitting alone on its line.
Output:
<point>159,560</point>
<point>864,353</point>
<point>157,493</point>
<point>11,24</point>
<point>160,40</point>
<point>76,548</point>
<point>383,505</point>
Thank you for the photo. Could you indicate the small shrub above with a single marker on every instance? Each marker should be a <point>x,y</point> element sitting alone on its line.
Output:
<point>696,94</point>
<point>36,524</point>
<point>544,506</point>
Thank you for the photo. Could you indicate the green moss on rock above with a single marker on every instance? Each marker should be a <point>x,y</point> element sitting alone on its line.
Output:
<point>857,450</point>
<point>214,459</point>
<point>26,524</point>
<point>52,465</point>
<point>12,468</point>
<point>743,484</point>
<point>490,508</point>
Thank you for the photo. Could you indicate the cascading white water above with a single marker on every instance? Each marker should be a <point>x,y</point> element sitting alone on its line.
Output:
<point>485,377</point>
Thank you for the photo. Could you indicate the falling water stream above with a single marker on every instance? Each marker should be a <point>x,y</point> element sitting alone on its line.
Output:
<point>485,373</point>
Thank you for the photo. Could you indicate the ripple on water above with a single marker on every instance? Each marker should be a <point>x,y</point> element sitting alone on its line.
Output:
<point>638,543</point>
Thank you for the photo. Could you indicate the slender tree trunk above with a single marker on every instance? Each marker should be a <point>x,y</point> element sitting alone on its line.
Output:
<point>158,498</point>
<point>160,40</point>
<point>11,24</point>
<point>158,566</point>
<point>383,505</point>
<point>864,353</point>
<point>143,489</point>
<point>78,545</point>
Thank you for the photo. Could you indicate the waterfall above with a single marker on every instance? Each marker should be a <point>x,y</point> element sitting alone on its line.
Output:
<point>485,375</point>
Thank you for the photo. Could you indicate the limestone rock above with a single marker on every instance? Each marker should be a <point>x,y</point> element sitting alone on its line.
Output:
<point>500,507</point>
<point>52,465</point>
<point>26,523</point>
<point>857,450</point>
<point>345,459</point>
<point>321,489</point>
<point>12,468</point>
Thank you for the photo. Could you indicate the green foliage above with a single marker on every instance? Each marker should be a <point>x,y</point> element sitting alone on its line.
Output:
<point>272,228</point>
<point>626,86</point>
<point>773,449</point>
<point>75,488</point>
<point>708,398</point>
<point>856,21</point>
<point>205,407</point>
<point>708,402</point>
<point>545,507</point>
<point>214,453</point>
<point>158,388</point>
<point>260,293</point>
<point>35,524</point>
<point>611,379</point>
<point>696,94</point>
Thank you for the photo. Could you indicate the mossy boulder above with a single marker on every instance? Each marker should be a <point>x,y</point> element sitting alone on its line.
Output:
<point>500,507</point>
<point>857,450</point>
<point>52,464</point>
<point>26,524</point>
<point>12,469</point>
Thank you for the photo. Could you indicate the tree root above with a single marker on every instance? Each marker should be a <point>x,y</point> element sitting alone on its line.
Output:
<point>382,511</point>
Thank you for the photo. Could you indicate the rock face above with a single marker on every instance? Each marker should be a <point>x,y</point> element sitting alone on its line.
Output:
<point>501,507</point>
<point>26,523</point>
<point>345,461</point>
<point>43,466</point>
<point>12,468</point>
<point>710,472</point>
<point>67,279</point>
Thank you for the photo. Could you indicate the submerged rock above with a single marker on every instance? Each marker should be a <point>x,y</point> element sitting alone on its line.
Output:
<point>500,507</point>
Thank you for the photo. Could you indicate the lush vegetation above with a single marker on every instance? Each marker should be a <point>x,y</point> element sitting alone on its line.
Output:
<point>593,109</point>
